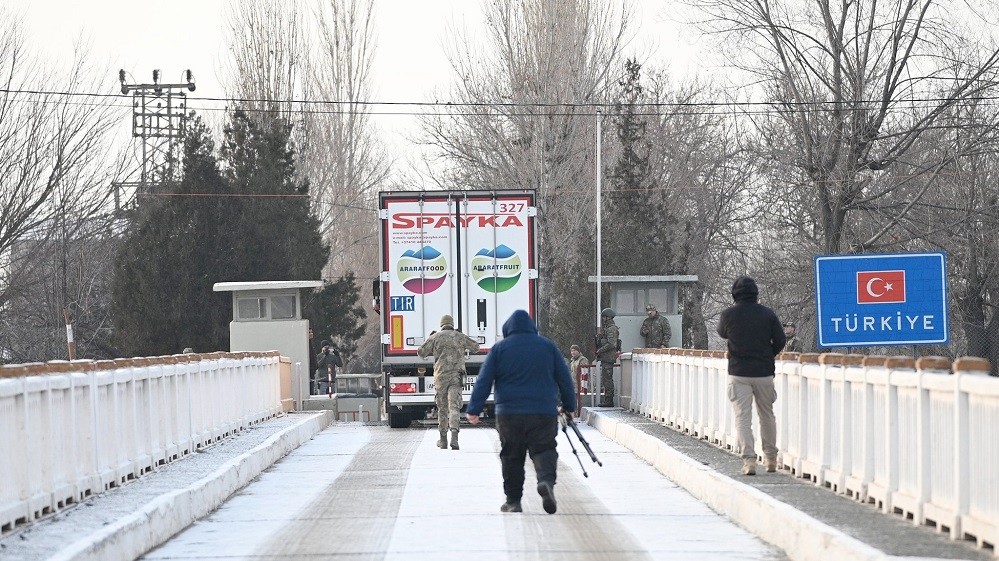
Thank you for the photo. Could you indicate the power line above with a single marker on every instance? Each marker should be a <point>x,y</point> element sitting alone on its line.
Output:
<point>463,108</point>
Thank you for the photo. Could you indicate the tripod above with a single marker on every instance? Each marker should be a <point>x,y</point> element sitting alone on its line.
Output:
<point>566,420</point>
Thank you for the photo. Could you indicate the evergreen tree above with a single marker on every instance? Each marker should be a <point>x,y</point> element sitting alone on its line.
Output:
<point>169,260</point>
<point>276,232</point>
<point>335,314</point>
<point>630,210</point>
<point>243,218</point>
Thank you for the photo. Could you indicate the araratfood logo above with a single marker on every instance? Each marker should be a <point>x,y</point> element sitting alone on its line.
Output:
<point>422,271</point>
<point>497,270</point>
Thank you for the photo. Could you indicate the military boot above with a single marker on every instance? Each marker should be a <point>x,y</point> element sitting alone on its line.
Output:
<point>442,443</point>
<point>454,439</point>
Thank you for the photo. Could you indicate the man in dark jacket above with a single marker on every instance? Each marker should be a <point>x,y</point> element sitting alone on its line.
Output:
<point>755,336</point>
<point>528,378</point>
<point>327,361</point>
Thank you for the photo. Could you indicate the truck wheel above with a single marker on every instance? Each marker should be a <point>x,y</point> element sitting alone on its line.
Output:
<point>399,420</point>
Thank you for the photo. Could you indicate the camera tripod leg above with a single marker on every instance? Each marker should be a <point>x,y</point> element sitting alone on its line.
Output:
<point>575,452</point>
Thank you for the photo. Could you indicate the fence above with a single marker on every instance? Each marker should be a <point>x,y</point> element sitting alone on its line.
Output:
<point>912,437</point>
<point>72,429</point>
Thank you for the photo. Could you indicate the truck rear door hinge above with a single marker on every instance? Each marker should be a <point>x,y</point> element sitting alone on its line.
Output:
<point>532,273</point>
<point>386,338</point>
<point>383,213</point>
<point>532,211</point>
<point>384,276</point>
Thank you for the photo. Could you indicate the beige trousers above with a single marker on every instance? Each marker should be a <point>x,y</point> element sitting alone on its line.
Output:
<point>742,391</point>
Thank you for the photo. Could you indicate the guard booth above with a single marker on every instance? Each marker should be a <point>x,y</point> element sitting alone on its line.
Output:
<point>629,294</point>
<point>267,316</point>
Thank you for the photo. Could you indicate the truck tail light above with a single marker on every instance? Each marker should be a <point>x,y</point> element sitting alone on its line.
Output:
<point>407,387</point>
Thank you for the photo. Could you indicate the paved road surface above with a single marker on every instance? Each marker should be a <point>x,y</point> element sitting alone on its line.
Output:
<point>368,492</point>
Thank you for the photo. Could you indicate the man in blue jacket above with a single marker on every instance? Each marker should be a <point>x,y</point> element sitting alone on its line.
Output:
<point>528,378</point>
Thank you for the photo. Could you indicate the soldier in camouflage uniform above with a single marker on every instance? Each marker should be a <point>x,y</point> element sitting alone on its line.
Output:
<point>793,344</point>
<point>448,347</point>
<point>607,353</point>
<point>655,329</point>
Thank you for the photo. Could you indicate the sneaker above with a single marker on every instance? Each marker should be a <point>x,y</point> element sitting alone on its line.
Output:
<point>771,465</point>
<point>547,493</point>
<point>511,507</point>
<point>749,466</point>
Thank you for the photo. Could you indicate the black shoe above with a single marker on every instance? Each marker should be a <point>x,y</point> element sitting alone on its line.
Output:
<point>547,493</point>
<point>511,507</point>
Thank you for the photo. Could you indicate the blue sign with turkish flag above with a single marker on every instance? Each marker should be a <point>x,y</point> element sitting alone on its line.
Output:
<point>886,299</point>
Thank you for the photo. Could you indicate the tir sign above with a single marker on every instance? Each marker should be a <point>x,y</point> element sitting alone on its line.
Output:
<point>880,287</point>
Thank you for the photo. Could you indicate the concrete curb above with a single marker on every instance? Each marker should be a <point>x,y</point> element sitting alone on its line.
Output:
<point>160,519</point>
<point>800,536</point>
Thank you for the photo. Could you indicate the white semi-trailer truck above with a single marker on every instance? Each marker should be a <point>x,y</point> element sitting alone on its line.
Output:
<point>468,254</point>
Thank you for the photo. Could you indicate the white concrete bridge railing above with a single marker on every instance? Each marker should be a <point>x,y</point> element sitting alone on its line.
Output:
<point>72,429</point>
<point>913,437</point>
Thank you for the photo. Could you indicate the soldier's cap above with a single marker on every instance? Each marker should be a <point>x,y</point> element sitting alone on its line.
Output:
<point>789,324</point>
<point>651,308</point>
<point>325,343</point>
<point>574,347</point>
<point>447,321</point>
<point>607,313</point>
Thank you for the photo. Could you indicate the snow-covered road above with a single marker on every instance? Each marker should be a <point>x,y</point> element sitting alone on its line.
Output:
<point>369,492</point>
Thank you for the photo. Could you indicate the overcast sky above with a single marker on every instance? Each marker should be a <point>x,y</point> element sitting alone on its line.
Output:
<point>188,34</point>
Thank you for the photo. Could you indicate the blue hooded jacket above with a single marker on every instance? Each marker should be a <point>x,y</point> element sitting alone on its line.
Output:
<point>528,371</point>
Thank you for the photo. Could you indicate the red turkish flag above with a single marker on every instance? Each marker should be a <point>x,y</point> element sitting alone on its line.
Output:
<point>879,287</point>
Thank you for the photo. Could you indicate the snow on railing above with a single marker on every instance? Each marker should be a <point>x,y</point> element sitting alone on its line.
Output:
<point>72,429</point>
<point>914,437</point>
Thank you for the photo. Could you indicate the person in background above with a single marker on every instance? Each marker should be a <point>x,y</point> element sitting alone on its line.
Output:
<point>754,337</point>
<point>607,352</point>
<point>576,361</point>
<point>327,361</point>
<point>528,378</point>
<point>655,329</point>
<point>313,365</point>
<point>793,344</point>
<point>448,347</point>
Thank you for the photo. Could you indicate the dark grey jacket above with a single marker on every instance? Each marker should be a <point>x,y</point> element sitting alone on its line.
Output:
<point>755,335</point>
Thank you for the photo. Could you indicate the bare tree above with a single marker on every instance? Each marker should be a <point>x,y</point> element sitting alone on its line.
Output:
<point>310,62</point>
<point>525,118</point>
<point>55,182</point>
<point>340,153</point>
<point>853,86</point>
<point>266,48</point>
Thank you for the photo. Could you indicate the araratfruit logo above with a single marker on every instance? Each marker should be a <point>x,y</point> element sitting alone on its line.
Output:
<point>503,261</point>
<point>422,271</point>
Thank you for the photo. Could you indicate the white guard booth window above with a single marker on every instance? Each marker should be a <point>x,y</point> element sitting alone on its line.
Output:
<point>267,316</point>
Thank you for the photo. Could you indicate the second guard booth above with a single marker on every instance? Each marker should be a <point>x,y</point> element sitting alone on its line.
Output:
<point>629,294</point>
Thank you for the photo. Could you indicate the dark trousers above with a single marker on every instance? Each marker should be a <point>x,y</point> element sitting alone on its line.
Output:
<point>521,435</point>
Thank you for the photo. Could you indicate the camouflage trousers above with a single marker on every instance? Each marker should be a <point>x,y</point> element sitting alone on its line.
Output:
<point>607,379</point>
<point>448,400</point>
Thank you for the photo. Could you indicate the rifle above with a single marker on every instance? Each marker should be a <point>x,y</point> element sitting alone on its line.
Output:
<point>567,421</point>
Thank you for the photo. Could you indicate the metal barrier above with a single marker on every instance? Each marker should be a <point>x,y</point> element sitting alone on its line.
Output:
<point>73,429</point>
<point>912,437</point>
